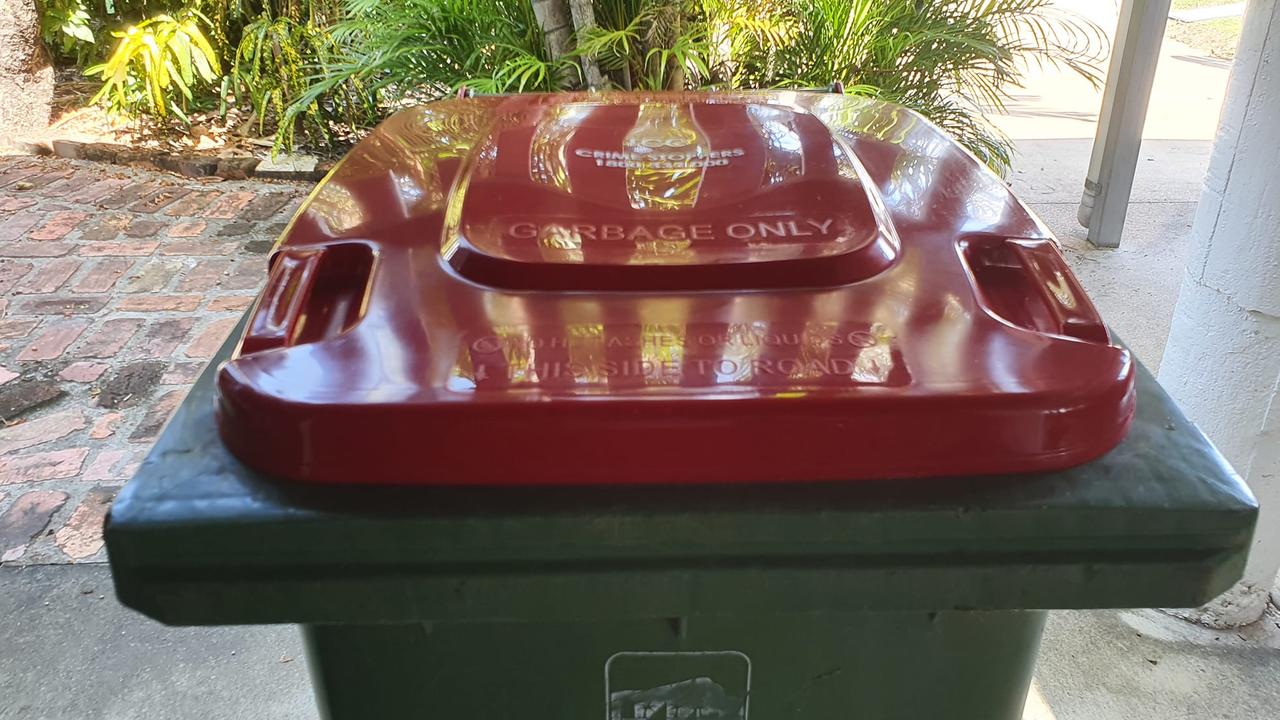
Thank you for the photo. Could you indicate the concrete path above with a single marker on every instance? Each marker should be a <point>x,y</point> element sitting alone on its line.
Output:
<point>1185,99</point>
<point>1145,665</point>
<point>69,651</point>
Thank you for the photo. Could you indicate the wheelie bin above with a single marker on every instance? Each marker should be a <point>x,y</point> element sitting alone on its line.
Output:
<point>671,406</point>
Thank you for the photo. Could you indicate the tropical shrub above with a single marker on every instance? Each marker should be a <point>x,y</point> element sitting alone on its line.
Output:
<point>167,56</point>
<point>650,45</point>
<point>78,32</point>
<point>152,60</point>
<point>272,67</point>
<point>67,29</point>
<point>402,49</point>
<point>951,60</point>
<point>310,69</point>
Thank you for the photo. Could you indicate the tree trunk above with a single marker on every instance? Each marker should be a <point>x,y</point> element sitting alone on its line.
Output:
<point>584,17</point>
<point>26,77</point>
<point>676,80</point>
<point>723,68</point>
<point>557,30</point>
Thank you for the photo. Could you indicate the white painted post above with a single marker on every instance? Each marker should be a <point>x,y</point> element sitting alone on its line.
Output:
<point>1222,361</point>
<point>1130,76</point>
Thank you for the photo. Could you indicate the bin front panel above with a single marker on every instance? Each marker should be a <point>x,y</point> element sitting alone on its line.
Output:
<point>866,666</point>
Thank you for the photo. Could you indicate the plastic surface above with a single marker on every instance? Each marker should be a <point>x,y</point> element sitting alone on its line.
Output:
<point>197,538</point>
<point>667,289</point>
<point>816,666</point>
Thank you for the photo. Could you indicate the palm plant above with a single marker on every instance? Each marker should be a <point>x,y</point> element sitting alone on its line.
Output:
<point>273,64</point>
<point>170,54</point>
<point>307,66</point>
<point>397,51</point>
<point>436,46</point>
<point>951,61</point>
<point>649,44</point>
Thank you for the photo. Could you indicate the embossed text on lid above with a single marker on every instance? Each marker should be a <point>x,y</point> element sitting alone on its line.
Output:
<point>665,195</point>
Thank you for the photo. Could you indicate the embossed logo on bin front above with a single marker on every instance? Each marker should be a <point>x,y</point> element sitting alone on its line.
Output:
<point>677,685</point>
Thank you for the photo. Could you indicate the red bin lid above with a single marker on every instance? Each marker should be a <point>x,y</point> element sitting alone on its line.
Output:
<point>667,288</point>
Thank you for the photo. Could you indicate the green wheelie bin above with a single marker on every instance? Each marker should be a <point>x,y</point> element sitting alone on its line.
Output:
<point>646,407</point>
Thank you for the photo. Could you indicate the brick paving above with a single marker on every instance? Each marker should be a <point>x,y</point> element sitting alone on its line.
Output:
<point>116,287</point>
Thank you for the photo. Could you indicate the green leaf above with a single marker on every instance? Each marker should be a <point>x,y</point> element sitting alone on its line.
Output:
<point>180,50</point>
<point>83,33</point>
<point>206,50</point>
<point>176,77</point>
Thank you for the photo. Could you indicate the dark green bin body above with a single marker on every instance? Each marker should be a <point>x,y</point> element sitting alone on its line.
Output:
<point>820,665</point>
<point>860,600</point>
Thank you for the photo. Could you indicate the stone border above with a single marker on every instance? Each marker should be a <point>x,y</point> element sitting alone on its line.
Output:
<point>236,165</point>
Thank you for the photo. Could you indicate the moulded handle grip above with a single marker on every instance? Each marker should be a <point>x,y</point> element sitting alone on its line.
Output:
<point>277,316</point>
<point>1071,310</point>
